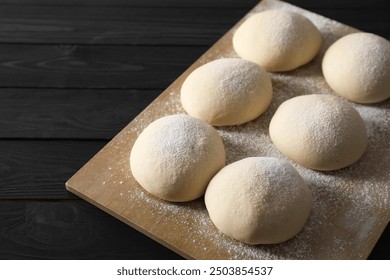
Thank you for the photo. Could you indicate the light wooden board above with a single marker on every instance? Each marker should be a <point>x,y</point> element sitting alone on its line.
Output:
<point>351,206</point>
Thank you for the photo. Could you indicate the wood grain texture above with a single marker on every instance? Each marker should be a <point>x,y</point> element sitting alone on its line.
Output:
<point>74,66</point>
<point>38,169</point>
<point>53,103</point>
<point>139,3</point>
<point>78,230</point>
<point>247,4</point>
<point>69,113</point>
<point>70,230</point>
<point>343,225</point>
<point>110,25</point>
<point>172,23</point>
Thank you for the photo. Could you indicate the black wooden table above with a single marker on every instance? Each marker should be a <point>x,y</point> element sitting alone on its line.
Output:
<point>73,73</point>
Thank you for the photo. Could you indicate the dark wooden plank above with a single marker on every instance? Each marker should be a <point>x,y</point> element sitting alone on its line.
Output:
<point>139,3</point>
<point>70,230</point>
<point>59,66</point>
<point>114,25</point>
<point>38,169</point>
<point>336,4</point>
<point>94,24</point>
<point>69,113</point>
<point>78,230</point>
<point>381,250</point>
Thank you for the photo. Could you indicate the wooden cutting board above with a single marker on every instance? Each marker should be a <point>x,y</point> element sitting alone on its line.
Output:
<point>351,206</point>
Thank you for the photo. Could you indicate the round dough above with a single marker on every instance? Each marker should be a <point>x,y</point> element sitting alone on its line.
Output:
<point>259,200</point>
<point>357,67</point>
<point>319,131</point>
<point>176,156</point>
<point>278,40</point>
<point>227,91</point>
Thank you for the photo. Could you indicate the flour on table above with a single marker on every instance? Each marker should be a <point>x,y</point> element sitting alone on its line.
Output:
<point>348,204</point>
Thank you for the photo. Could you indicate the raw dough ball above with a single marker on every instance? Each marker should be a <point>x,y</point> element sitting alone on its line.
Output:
<point>278,40</point>
<point>357,67</point>
<point>176,156</point>
<point>227,91</point>
<point>319,131</point>
<point>259,200</point>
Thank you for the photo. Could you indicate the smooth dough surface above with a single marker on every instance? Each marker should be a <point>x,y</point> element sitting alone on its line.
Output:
<point>227,91</point>
<point>357,67</point>
<point>175,157</point>
<point>319,131</point>
<point>278,40</point>
<point>259,200</point>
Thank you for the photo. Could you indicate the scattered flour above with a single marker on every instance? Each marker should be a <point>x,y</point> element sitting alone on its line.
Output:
<point>349,204</point>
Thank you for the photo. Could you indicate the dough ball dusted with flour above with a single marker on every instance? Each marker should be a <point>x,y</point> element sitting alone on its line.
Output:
<point>227,91</point>
<point>259,200</point>
<point>278,40</point>
<point>319,131</point>
<point>357,67</point>
<point>176,156</point>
